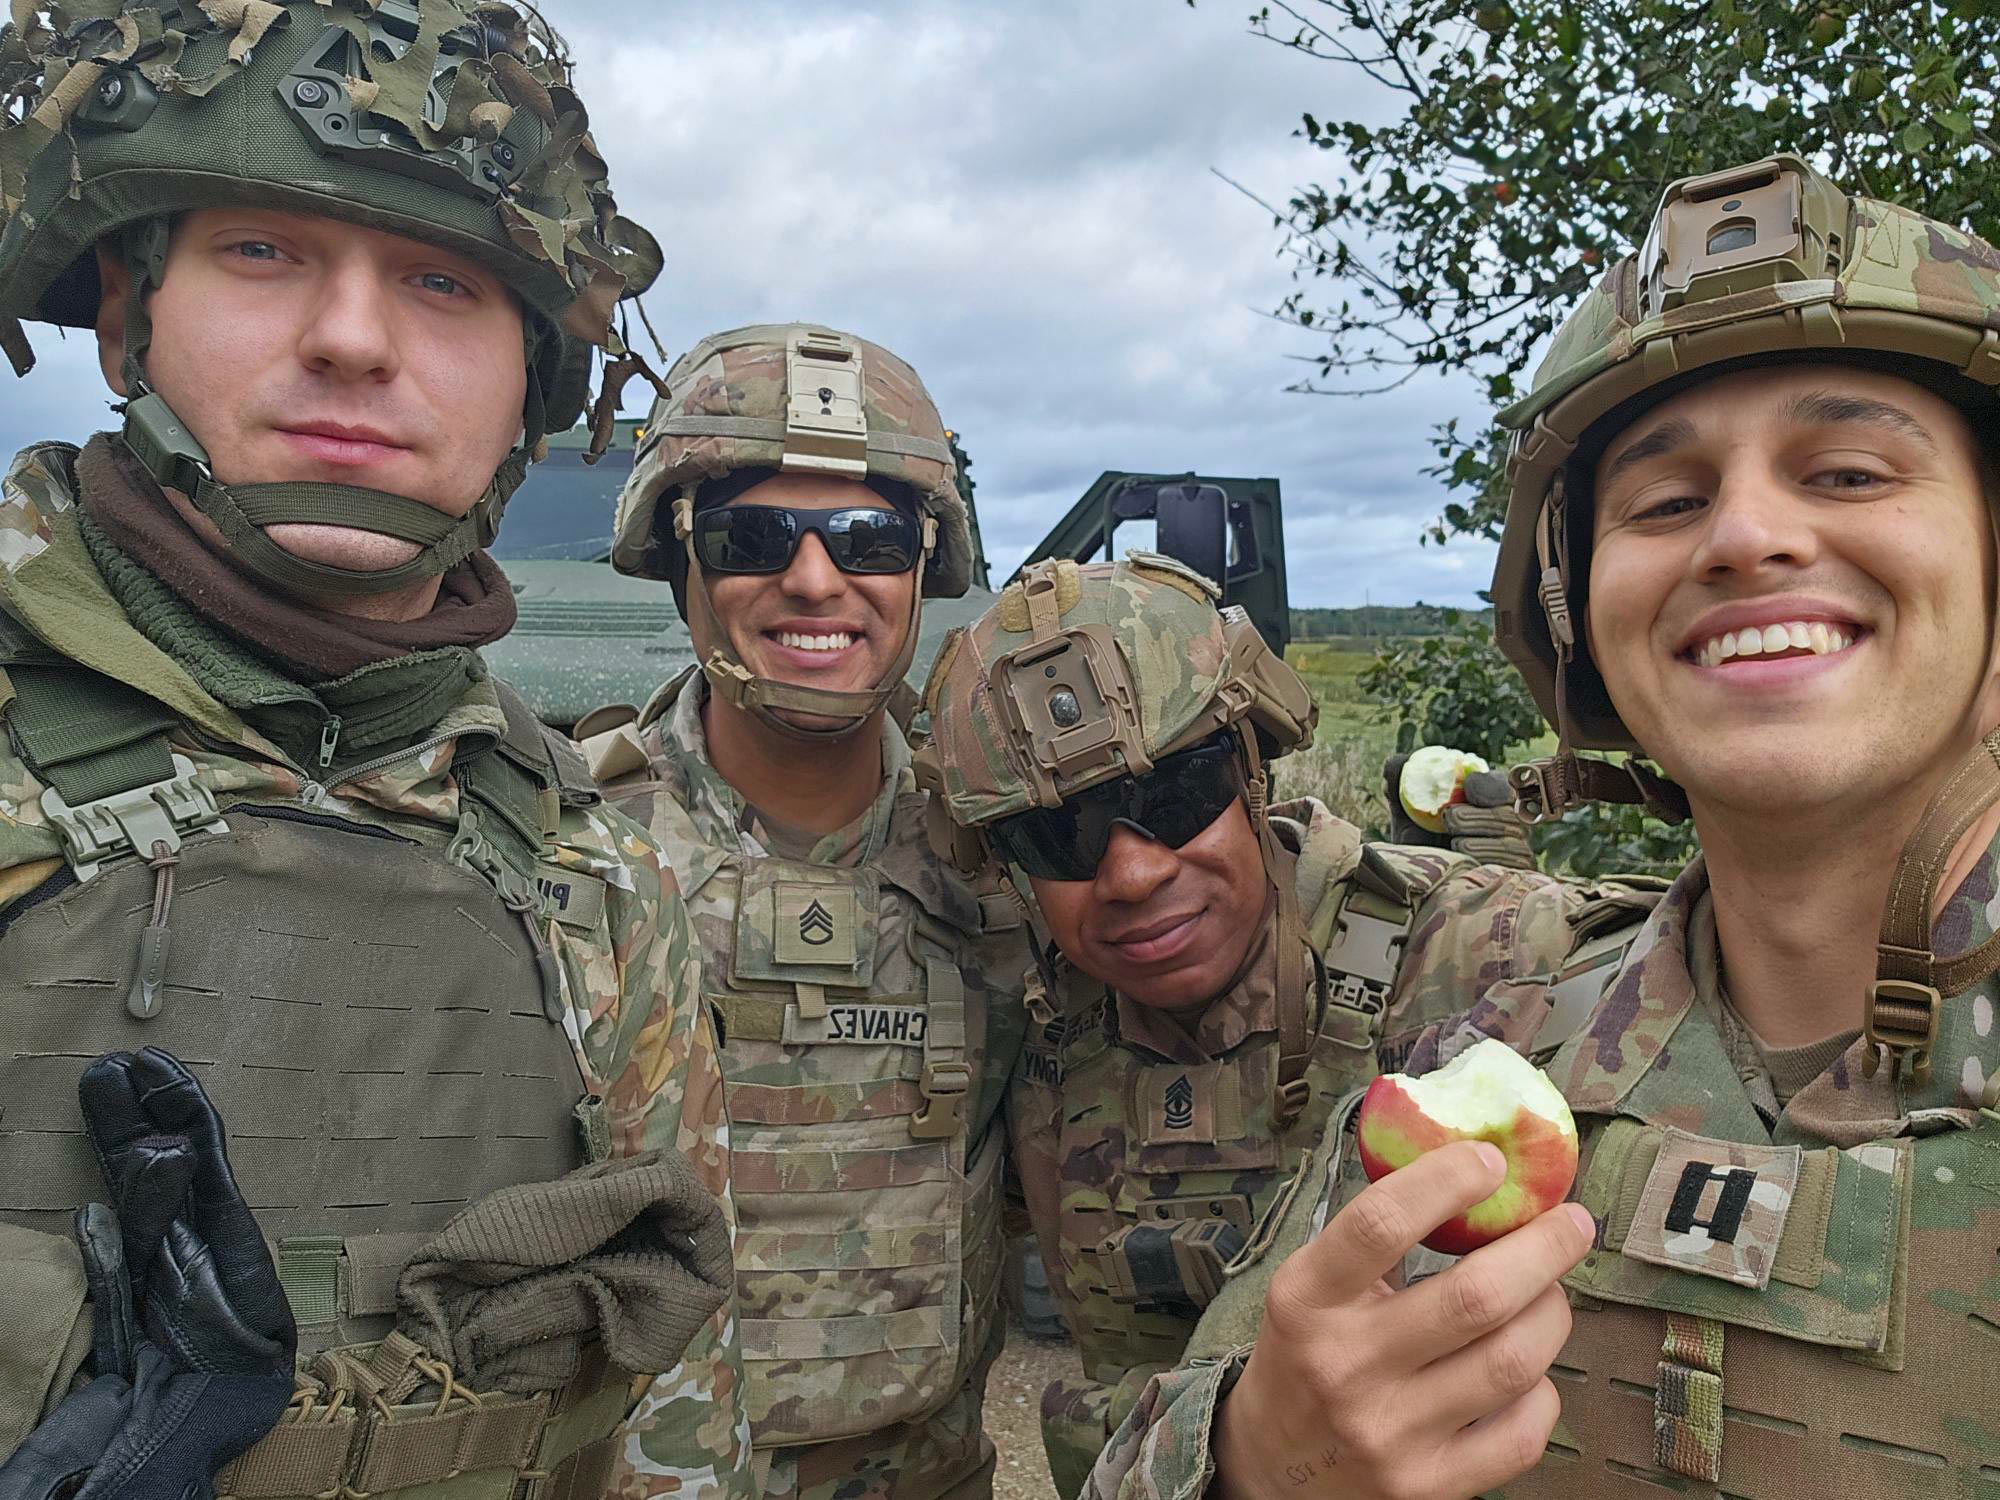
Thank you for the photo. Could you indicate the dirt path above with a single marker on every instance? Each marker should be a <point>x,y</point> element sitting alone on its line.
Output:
<point>1014,1411</point>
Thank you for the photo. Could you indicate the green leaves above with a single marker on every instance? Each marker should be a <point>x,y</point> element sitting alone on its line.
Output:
<point>1453,689</point>
<point>1452,237</point>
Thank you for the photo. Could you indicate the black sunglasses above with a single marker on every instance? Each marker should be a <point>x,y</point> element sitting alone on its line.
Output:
<point>1173,802</point>
<point>765,538</point>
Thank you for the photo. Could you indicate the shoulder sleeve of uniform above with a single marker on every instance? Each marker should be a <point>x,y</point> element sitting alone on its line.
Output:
<point>1512,954</point>
<point>1161,1450</point>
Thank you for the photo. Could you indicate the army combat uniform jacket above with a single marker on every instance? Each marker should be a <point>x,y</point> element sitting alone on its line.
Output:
<point>1784,1302</point>
<point>1151,1157</point>
<point>407,981</point>
<point>867,1006</point>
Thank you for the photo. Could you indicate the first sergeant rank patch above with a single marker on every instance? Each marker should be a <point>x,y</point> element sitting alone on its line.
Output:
<point>1715,1208</point>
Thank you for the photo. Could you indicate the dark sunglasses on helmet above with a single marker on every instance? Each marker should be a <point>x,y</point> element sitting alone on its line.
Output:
<point>765,538</point>
<point>1177,799</point>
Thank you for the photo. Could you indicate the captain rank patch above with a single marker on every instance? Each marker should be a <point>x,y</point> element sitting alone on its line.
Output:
<point>1715,1208</point>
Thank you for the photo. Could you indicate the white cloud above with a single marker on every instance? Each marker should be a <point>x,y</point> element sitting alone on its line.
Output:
<point>1019,200</point>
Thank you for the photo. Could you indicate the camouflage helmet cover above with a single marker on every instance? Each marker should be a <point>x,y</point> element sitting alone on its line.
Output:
<point>1765,261</point>
<point>1081,673</point>
<point>795,397</point>
<point>448,121</point>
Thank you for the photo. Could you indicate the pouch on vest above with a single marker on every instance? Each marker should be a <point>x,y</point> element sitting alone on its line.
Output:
<point>1177,1265</point>
<point>1764,1291</point>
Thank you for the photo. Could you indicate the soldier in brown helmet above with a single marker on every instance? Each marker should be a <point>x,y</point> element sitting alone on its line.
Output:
<point>796,487</point>
<point>1752,534</point>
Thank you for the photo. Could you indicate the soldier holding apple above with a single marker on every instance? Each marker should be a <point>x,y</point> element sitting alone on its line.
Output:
<point>1752,533</point>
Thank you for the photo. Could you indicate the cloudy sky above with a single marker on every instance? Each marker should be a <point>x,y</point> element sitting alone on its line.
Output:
<point>1020,198</point>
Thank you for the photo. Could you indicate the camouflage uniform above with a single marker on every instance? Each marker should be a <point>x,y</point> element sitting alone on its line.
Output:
<point>1792,1293</point>
<point>610,914</point>
<point>866,998</point>
<point>1127,1128</point>
<point>1805,1294</point>
<point>409,978</point>
<point>1154,1157</point>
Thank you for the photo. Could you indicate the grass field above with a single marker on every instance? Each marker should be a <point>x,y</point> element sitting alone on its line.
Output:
<point>1344,766</point>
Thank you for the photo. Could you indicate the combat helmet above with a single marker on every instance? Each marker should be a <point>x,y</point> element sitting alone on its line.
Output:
<point>1082,673</point>
<point>794,398</point>
<point>448,121</point>
<point>1769,262</point>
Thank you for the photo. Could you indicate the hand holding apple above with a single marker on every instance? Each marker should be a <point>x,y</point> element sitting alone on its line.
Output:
<point>1363,1390</point>
<point>1489,1092</point>
<point>1432,779</point>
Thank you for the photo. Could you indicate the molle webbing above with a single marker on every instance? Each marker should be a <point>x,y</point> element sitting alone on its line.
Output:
<point>366,1016</point>
<point>1910,981</point>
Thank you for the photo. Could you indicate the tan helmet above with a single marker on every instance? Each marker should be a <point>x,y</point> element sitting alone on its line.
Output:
<point>796,398</point>
<point>1766,262</point>
<point>1081,673</point>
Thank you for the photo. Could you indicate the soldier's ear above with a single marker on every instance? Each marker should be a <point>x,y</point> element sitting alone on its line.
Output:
<point>114,279</point>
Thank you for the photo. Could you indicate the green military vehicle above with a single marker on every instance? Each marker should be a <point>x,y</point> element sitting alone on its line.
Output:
<point>589,636</point>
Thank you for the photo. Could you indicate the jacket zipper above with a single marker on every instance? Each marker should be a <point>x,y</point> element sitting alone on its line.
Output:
<point>315,793</point>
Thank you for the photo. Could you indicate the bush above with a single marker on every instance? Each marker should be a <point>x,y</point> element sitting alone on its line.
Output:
<point>1453,689</point>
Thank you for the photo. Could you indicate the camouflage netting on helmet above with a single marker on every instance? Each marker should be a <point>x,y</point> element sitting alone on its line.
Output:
<point>729,405</point>
<point>1168,667</point>
<point>446,121</point>
<point>1762,263</point>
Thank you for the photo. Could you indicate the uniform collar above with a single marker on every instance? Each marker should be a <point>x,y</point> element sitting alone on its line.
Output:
<point>1652,1048</point>
<point>725,818</point>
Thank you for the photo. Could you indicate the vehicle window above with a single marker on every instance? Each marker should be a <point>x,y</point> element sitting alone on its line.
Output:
<point>564,511</point>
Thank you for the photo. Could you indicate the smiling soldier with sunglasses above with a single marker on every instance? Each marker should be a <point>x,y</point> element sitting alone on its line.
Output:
<point>796,487</point>
<point>1218,968</point>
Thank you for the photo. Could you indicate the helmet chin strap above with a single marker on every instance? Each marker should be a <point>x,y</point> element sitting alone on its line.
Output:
<point>1295,1022</point>
<point>768,700</point>
<point>176,460</point>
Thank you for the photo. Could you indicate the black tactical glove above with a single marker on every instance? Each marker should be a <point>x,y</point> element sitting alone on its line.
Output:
<point>193,1339</point>
<point>1484,827</point>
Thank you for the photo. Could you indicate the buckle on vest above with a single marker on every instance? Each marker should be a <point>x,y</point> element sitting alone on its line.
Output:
<point>136,822</point>
<point>1902,1021</point>
<point>1537,798</point>
<point>944,1086</point>
<point>1292,1099</point>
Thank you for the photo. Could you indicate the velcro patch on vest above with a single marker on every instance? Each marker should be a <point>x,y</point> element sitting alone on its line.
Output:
<point>815,924</point>
<point>1715,1208</point>
<point>1184,1105</point>
<point>859,1024</point>
<point>570,896</point>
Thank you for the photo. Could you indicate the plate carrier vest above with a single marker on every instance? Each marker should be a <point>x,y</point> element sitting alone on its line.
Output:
<point>378,1021</point>
<point>869,1245</point>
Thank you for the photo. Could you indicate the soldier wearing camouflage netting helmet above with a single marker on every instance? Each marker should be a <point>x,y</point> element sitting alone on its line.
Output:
<point>347,263</point>
<point>1752,535</point>
<point>796,487</point>
<point>1216,970</point>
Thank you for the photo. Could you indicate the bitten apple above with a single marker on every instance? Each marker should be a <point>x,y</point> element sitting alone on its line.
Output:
<point>1489,1092</point>
<point>1433,779</point>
